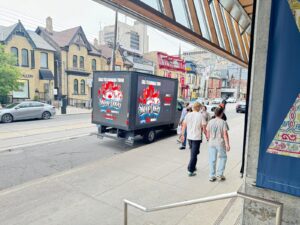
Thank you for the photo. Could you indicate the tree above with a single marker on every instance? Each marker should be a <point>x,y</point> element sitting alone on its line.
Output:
<point>9,73</point>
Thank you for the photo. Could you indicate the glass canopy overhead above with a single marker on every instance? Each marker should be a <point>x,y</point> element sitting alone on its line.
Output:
<point>220,26</point>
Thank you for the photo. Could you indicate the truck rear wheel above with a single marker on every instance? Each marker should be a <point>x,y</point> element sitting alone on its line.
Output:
<point>149,136</point>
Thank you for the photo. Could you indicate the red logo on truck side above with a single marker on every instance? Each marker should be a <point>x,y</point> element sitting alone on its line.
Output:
<point>110,99</point>
<point>149,105</point>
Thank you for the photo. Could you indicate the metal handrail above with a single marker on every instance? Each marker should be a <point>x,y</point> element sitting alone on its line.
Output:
<point>278,205</point>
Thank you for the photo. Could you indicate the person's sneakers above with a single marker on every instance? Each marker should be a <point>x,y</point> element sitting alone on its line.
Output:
<point>191,174</point>
<point>221,178</point>
<point>182,148</point>
<point>212,179</point>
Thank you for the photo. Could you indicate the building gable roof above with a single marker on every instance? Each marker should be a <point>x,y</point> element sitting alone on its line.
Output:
<point>40,43</point>
<point>6,31</point>
<point>17,29</point>
<point>66,37</point>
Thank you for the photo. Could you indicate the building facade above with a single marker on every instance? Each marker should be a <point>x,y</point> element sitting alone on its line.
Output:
<point>214,87</point>
<point>35,58</point>
<point>132,38</point>
<point>193,79</point>
<point>171,67</point>
<point>75,60</point>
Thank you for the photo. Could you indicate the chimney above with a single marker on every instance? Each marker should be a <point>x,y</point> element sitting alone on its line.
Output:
<point>49,26</point>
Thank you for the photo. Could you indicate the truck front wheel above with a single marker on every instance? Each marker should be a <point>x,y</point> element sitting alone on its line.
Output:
<point>149,136</point>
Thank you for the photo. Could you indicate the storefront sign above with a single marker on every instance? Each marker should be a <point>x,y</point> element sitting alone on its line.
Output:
<point>279,157</point>
<point>23,91</point>
<point>27,76</point>
<point>166,61</point>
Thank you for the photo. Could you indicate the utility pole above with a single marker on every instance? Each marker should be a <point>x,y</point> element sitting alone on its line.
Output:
<point>239,84</point>
<point>115,43</point>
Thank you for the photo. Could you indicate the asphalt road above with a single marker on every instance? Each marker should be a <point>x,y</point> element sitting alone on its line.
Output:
<point>23,164</point>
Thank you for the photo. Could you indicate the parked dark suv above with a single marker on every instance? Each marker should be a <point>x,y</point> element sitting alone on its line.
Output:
<point>241,107</point>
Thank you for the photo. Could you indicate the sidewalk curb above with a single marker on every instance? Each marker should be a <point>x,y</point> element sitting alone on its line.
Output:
<point>70,114</point>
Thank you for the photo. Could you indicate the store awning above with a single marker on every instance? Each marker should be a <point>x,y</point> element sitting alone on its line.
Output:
<point>46,75</point>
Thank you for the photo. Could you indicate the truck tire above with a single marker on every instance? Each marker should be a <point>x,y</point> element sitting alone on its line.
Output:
<point>149,136</point>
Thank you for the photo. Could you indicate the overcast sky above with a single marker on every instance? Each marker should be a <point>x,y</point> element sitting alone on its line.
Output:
<point>70,13</point>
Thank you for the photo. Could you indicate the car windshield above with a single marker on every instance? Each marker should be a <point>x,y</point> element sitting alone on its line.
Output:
<point>11,105</point>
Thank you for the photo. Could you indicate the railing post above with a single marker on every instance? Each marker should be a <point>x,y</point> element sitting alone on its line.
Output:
<point>125,213</point>
<point>279,215</point>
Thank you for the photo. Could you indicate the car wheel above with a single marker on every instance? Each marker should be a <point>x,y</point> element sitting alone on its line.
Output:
<point>149,136</point>
<point>46,115</point>
<point>237,111</point>
<point>7,118</point>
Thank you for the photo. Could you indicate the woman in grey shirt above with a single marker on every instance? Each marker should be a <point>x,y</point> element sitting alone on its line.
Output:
<point>218,144</point>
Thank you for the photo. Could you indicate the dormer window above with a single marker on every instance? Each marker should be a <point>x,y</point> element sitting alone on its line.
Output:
<point>81,62</point>
<point>14,51</point>
<point>25,60</point>
<point>75,63</point>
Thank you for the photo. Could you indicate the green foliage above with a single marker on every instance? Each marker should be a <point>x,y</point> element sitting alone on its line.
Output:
<point>9,73</point>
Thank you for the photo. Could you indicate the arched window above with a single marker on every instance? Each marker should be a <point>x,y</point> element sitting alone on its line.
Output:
<point>75,87</point>
<point>82,87</point>
<point>94,65</point>
<point>81,62</point>
<point>75,61</point>
<point>25,61</point>
<point>14,51</point>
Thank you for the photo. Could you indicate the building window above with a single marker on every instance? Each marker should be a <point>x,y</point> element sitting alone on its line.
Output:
<point>75,61</point>
<point>82,87</point>
<point>94,65</point>
<point>81,62</point>
<point>25,57</point>
<point>44,60</point>
<point>75,87</point>
<point>14,51</point>
<point>134,40</point>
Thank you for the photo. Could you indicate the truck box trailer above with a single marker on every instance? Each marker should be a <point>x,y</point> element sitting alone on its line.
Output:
<point>127,103</point>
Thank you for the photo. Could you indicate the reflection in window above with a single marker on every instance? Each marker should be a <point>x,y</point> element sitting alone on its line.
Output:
<point>217,25</point>
<point>75,87</point>
<point>44,60</point>
<point>75,61</point>
<point>82,87</point>
<point>25,57</point>
<point>94,65</point>
<point>15,53</point>
<point>155,4</point>
<point>202,19</point>
<point>81,62</point>
<point>180,12</point>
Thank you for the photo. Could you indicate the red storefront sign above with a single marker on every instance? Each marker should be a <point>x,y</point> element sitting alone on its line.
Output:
<point>166,61</point>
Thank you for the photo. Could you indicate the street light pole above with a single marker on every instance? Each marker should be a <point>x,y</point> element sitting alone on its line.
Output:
<point>239,84</point>
<point>115,43</point>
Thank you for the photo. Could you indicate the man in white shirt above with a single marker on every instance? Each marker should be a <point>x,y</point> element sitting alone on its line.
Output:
<point>194,124</point>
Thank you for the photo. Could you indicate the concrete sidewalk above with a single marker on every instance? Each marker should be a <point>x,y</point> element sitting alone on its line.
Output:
<point>150,175</point>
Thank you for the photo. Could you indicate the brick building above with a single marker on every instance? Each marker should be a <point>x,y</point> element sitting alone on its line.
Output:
<point>214,87</point>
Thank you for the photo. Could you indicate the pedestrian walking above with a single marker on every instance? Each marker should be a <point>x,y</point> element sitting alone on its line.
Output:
<point>193,125</point>
<point>218,145</point>
<point>182,117</point>
<point>205,115</point>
